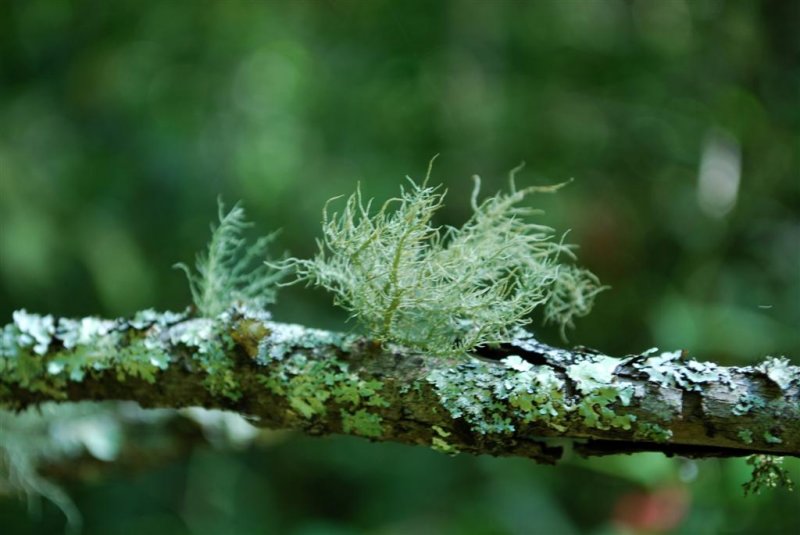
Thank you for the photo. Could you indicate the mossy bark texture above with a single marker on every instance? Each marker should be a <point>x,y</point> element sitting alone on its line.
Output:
<point>523,398</point>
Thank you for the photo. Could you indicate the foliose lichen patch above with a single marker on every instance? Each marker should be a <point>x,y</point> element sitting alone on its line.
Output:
<point>668,369</point>
<point>499,399</point>
<point>780,371</point>
<point>312,386</point>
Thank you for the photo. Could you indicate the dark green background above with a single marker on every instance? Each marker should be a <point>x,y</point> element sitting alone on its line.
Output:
<point>121,122</point>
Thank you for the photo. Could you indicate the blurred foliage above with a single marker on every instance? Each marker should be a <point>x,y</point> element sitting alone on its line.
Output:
<point>679,121</point>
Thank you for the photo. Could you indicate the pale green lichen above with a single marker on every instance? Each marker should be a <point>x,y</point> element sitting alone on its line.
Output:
<point>84,331</point>
<point>230,271</point>
<point>746,403</point>
<point>26,359</point>
<point>594,378</point>
<point>212,345</point>
<point>668,369</point>
<point>142,360</point>
<point>652,431</point>
<point>34,331</point>
<point>445,290</point>
<point>310,386</point>
<point>439,442</point>
<point>468,391</point>
<point>95,345</point>
<point>771,438</point>
<point>780,371</point>
<point>497,400</point>
<point>592,373</point>
<point>599,411</point>
<point>284,338</point>
<point>362,422</point>
<point>148,318</point>
<point>746,436</point>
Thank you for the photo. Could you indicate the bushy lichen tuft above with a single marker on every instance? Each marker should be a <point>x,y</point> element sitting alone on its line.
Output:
<point>445,290</point>
<point>48,433</point>
<point>230,271</point>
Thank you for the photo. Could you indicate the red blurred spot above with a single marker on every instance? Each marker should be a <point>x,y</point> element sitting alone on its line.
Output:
<point>652,512</point>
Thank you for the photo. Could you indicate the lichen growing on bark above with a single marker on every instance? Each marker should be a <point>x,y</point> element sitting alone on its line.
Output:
<point>230,271</point>
<point>446,290</point>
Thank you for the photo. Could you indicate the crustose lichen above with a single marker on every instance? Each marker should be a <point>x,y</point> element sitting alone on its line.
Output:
<point>446,289</point>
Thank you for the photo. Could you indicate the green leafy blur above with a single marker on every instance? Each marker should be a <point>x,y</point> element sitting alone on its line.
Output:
<point>121,124</point>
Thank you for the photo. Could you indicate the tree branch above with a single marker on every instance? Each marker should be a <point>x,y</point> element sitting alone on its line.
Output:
<point>524,398</point>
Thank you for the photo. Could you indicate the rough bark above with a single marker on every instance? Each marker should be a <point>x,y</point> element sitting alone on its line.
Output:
<point>524,398</point>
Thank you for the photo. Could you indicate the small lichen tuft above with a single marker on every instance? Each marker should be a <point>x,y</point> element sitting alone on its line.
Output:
<point>230,271</point>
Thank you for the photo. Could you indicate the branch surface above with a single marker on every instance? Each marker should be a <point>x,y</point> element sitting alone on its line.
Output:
<point>523,399</point>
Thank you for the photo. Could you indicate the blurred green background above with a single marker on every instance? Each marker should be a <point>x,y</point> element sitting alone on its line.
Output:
<point>121,123</point>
